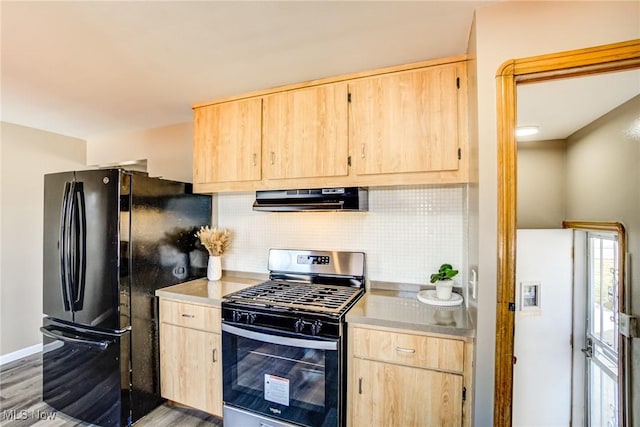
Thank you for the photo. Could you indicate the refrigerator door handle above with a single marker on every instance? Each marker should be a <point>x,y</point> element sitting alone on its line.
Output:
<point>51,333</point>
<point>63,246</point>
<point>80,246</point>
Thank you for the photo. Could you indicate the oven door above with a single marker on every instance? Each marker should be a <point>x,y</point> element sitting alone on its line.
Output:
<point>281,375</point>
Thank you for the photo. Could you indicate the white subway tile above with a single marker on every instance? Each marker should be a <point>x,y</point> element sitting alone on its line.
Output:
<point>407,232</point>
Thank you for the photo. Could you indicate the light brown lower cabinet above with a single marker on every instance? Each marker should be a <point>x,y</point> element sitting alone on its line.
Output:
<point>401,379</point>
<point>394,395</point>
<point>190,358</point>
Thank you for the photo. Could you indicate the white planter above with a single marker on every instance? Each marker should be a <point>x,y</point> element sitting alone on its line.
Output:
<point>443,289</point>
<point>214,268</point>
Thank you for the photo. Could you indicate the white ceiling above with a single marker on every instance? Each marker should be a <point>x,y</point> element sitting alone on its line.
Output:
<point>561,107</point>
<point>91,69</point>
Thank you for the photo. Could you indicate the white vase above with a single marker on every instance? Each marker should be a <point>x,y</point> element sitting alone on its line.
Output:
<point>443,289</point>
<point>214,268</point>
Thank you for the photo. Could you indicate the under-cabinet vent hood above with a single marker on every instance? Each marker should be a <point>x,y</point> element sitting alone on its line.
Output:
<point>348,199</point>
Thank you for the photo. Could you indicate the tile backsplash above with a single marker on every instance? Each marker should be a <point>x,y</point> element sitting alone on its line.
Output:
<point>406,234</point>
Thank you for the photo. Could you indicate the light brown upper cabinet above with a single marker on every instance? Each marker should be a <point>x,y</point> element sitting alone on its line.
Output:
<point>304,133</point>
<point>227,142</point>
<point>406,122</point>
<point>401,125</point>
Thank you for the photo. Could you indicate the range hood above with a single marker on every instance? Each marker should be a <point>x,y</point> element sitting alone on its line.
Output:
<point>347,199</point>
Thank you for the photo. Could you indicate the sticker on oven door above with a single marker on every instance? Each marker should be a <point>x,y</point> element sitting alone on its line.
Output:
<point>276,389</point>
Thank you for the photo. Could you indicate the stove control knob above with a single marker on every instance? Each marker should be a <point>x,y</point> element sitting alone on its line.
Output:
<point>251,317</point>
<point>239,315</point>
<point>299,325</point>
<point>315,327</point>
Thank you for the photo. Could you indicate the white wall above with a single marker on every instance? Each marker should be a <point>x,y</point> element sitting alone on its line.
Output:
<point>542,376</point>
<point>27,154</point>
<point>168,150</point>
<point>514,30</point>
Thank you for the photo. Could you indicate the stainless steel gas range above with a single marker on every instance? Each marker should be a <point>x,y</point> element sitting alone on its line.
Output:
<point>284,341</point>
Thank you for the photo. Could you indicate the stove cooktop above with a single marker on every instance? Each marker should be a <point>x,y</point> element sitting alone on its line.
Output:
<point>301,296</point>
<point>309,293</point>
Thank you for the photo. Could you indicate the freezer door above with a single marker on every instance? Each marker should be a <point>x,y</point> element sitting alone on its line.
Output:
<point>81,248</point>
<point>85,375</point>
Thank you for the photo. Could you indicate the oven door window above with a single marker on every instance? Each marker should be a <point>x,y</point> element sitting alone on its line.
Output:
<point>281,376</point>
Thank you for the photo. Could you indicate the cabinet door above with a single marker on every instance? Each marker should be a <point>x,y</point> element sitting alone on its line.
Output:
<point>227,142</point>
<point>305,133</point>
<point>382,394</point>
<point>191,367</point>
<point>405,122</point>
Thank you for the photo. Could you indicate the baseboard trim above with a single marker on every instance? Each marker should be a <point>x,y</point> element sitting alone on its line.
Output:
<point>19,354</point>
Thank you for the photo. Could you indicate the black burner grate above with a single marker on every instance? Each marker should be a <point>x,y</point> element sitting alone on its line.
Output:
<point>305,296</point>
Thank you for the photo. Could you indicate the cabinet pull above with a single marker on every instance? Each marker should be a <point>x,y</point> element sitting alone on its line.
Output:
<point>214,355</point>
<point>254,159</point>
<point>362,151</point>
<point>273,158</point>
<point>405,350</point>
<point>360,385</point>
<point>190,316</point>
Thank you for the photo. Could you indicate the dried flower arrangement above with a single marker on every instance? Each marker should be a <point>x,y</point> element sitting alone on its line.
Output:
<point>215,241</point>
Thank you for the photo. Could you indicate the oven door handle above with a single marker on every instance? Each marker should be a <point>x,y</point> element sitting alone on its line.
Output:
<point>280,340</point>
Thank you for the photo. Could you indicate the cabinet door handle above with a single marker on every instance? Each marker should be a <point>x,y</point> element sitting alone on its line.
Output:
<point>405,350</point>
<point>214,355</point>
<point>362,151</point>
<point>360,385</point>
<point>273,158</point>
<point>190,316</point>
<point>254,159</point>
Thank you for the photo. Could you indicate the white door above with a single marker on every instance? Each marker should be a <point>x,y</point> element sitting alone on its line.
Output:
<point>601,350</point>
<point>543,323</point>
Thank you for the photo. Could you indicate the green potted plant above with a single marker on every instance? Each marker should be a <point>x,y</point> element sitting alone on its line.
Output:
<point>443,281</point>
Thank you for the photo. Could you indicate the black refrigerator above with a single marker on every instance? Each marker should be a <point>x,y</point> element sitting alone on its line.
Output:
<point>111,238</point>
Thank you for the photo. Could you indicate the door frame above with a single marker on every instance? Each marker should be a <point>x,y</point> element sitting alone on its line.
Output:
<point>574,63</point>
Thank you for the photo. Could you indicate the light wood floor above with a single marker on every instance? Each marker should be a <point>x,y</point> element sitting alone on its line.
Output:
<point>21,395</point>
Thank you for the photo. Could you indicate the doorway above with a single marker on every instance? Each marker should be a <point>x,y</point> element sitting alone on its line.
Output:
<point>548,67</point>
<point>553,172</point>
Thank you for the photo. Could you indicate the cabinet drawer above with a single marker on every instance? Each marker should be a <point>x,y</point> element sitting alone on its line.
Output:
<point>407,349</point>
<point>190,315</point>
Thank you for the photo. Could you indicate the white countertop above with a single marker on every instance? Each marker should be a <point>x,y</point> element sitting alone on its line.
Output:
<point>402,310</point>
<point>203,291</point>
<point>378,307</point>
